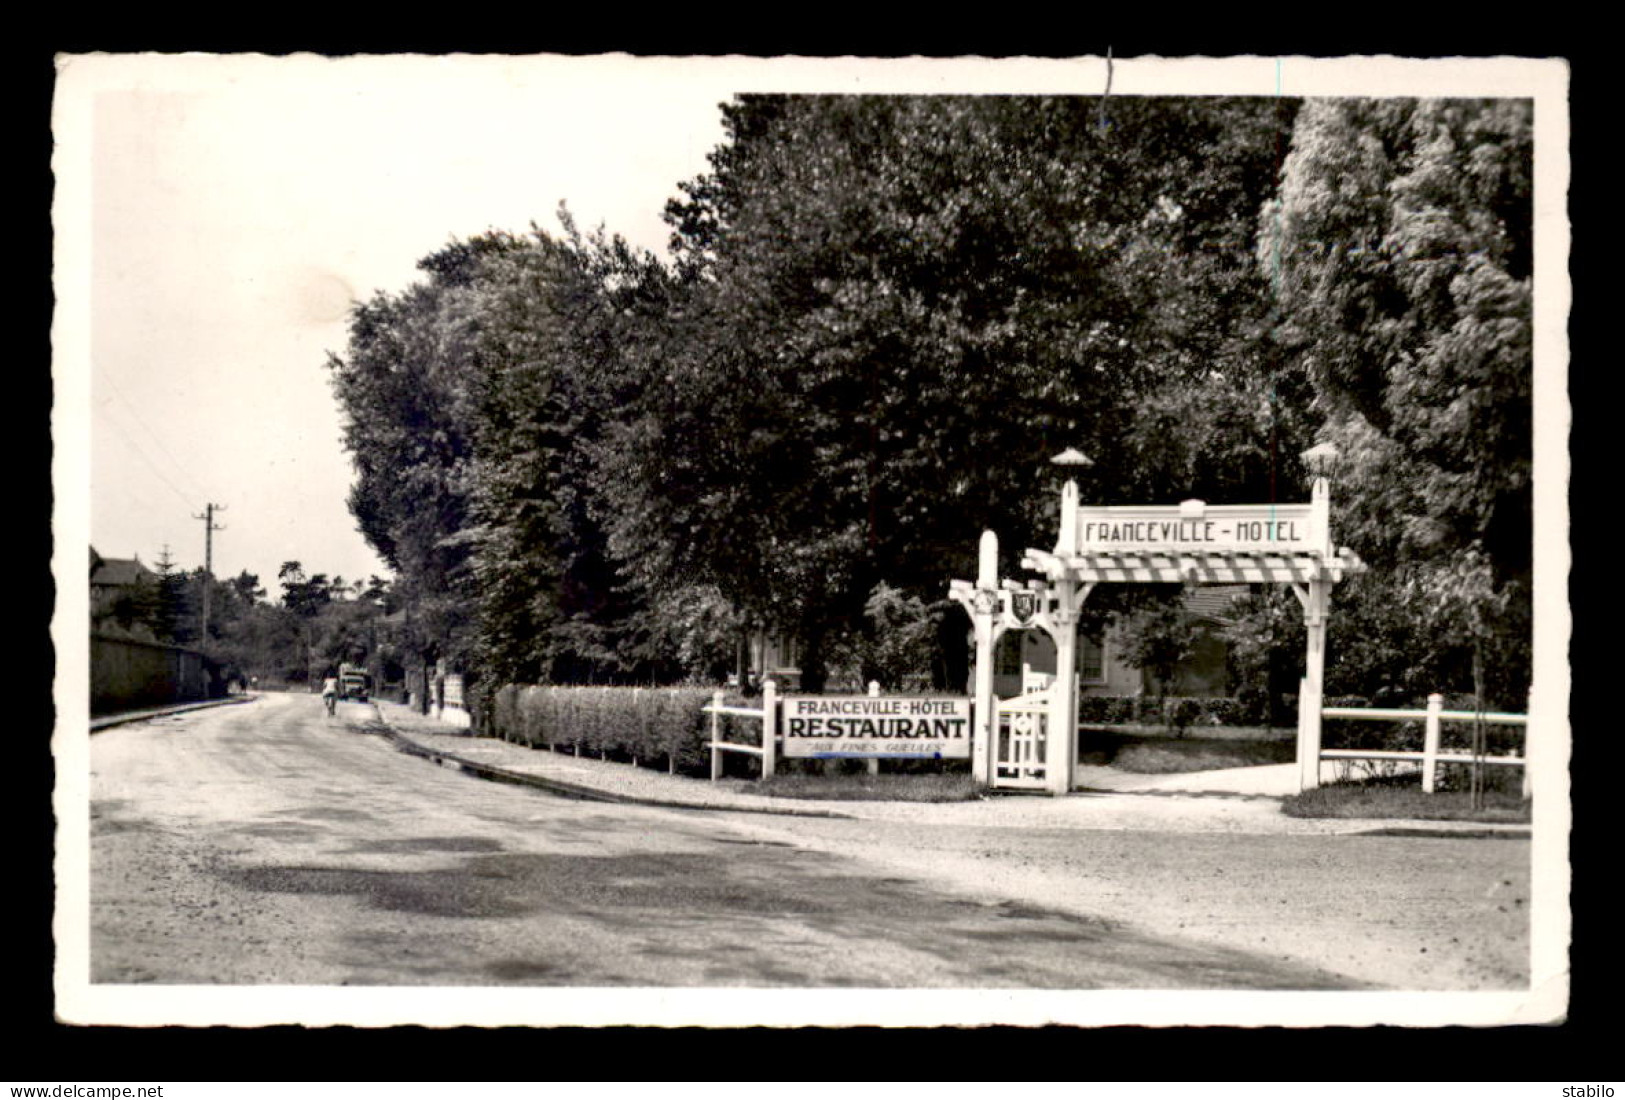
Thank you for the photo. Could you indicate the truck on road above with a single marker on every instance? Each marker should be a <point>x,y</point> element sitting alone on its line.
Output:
<point>354,683</point>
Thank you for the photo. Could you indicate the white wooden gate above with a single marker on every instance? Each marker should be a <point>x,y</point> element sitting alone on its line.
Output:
<point>1021,741</point>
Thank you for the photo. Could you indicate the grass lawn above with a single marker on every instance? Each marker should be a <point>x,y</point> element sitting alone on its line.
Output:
<point>1166,755</point>
<point>1402,797</point>
<point>871,788</point>
<point>1131,752</point>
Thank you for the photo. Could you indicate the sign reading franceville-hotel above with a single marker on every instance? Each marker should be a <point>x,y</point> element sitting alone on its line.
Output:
<point>884,726</point>
<point>1195,527</point>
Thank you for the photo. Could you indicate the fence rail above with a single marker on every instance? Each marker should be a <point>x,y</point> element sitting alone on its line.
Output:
<point>767,714</point>
<point>1431,755</point>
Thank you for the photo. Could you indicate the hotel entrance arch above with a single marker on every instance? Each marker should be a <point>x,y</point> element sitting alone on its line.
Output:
<point>1031,742</point>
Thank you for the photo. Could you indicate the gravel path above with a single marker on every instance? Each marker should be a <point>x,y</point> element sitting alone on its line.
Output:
<point>274,845</point>
<point>1408,906</point>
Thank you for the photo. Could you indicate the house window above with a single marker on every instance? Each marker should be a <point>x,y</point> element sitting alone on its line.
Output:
<point>1091,661</point>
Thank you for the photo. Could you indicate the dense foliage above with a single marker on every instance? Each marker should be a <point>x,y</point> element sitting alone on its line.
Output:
<point>886,314</point>
<point>318,622</point>
<point>1401,243</point>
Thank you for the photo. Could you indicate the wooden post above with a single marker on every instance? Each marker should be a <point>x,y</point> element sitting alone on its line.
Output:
<point>671,754</point>
<point>872,765</point>
<point>1315,597</point>
<point>1529,745</point>
<point>1061,742</point>
<point>770,727</point>
<point>983,726</point>
<point>1309,702</point>
<point>716,736</point>
<point>1430,743</point>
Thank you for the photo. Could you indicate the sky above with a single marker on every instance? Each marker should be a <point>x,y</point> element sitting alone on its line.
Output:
<point>239,207</point>
<point>234,207</point>
<point>217,216</point>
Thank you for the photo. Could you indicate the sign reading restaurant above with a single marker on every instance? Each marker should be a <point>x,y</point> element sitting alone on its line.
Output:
<point>1195,527</point>
<point>888,727</point>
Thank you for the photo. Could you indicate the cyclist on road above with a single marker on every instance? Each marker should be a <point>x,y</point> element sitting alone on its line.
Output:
<point>330,693</point>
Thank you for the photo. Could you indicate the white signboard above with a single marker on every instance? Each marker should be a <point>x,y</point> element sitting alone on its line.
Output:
<point>454,691</point>
<point>1195,527</point>
<point>887,727</point>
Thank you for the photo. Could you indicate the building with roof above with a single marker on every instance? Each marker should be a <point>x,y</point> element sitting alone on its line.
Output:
<point>118,587</point>
<point>129,666</point>
<point>1025,659</point>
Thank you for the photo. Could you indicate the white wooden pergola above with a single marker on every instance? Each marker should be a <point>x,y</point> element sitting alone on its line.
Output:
<point>1190,543</point>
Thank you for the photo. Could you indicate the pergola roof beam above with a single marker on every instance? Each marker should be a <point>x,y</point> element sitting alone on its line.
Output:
<point>1214,567</point>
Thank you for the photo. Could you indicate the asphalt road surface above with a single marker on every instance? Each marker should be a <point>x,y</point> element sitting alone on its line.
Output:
<point>269,843</point>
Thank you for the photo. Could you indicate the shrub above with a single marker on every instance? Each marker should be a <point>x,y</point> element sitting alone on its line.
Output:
<point>1105,710</point>
<point>653,725</point>
<point>1182,713</point>
<point>1497,778</point>
<point>1252,705</point>
<point>1361,733</point>
<point>1176,712</point>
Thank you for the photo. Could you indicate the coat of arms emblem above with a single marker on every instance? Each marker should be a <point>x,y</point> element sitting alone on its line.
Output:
<point>1023,605</point>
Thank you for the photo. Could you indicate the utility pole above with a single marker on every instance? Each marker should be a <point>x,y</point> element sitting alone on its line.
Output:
<point>165,619</point>
<point>208,562</point>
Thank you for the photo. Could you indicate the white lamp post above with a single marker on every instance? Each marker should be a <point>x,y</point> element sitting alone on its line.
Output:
<point>1061,754</point>
<point>1320,460</point>
<point>1070,460</point>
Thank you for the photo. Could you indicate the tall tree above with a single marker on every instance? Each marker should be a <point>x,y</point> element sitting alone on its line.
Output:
<point>304,596</point>
<point>899,308</point>
<point>408,385</point>
<point>1401,244</point>
<point>561,318</point>
<point>173,620</point>
<point>247,587</point>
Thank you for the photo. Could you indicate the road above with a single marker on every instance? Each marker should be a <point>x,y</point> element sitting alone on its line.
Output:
<point>269,843</point>
<point>1393,912</point>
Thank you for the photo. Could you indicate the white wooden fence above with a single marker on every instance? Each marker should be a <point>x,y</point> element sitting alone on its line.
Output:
<point>767,714</point>
<point>1431,756</point>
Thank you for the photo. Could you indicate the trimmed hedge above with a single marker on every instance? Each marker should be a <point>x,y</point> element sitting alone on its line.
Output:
<point>1178,712</point>
<point>653,726</point>
<point>666,727</point>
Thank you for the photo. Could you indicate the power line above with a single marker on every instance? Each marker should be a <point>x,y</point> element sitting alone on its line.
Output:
<point>129,406</point>
<point>150,464</point>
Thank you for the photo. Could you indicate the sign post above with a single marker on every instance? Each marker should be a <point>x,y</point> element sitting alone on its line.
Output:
<point>1315,595</point>
<point>982,602</point>
<point>1061,754</point>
